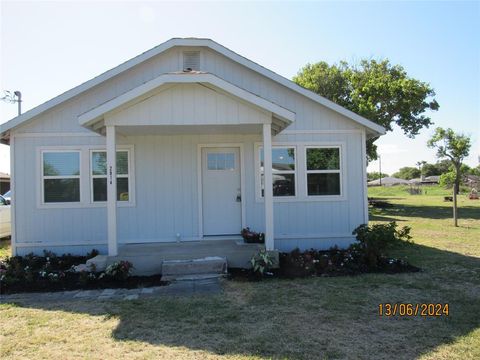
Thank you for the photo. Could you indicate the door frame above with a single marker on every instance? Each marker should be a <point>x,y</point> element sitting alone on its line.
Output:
<point>200,147</point>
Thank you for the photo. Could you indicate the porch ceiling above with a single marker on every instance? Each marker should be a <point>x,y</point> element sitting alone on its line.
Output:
<point>187,102</point>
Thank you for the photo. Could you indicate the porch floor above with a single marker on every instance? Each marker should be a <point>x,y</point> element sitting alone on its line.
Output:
<point>147,258</point>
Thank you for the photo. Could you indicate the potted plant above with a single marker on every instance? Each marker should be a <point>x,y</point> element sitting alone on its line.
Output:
<point>252,237</point>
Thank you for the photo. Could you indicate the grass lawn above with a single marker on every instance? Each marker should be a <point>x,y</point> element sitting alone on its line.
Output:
<point>324,318</point>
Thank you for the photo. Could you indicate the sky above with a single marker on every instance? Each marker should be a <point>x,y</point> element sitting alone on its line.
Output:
<point>49,47</point>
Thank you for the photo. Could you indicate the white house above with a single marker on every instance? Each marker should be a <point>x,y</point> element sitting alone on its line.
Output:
<point>198,130</point>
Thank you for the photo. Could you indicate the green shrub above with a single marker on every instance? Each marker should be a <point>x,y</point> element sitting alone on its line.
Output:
<point>367,254</point>
<point>374,241</point>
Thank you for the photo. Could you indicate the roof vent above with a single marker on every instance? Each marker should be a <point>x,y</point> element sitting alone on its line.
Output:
<point>191,60</point>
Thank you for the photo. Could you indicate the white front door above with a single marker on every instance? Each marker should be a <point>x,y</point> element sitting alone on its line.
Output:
<point>221,193</point>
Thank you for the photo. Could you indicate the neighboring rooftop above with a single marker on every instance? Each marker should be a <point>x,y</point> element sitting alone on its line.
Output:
<point>388,181</point>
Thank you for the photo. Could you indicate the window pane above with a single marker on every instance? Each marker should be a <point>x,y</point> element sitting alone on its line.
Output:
<point>221,161</point>
<point>122,162</point>
<point>212,161</point>
<point>100,189</point>
<point>229,161</point>
<point>61,163</point>
<point>122,189</point>
<point>323,159</point>
<point>323,184</point>
<point>99,163</point>
<point>283,184</point>
<point>61,190</point>
<point>282,159</point>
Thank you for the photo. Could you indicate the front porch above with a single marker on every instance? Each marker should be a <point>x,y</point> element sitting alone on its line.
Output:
<point>148,258</point>
<point>189,103</point>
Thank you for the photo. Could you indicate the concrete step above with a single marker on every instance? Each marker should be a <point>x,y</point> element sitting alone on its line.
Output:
<point>192,277</point>
<point>142,265</point>
<point>176,269</point>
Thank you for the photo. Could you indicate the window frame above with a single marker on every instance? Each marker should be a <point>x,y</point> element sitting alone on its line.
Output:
<point>301,176</point>
<point>86,190</point>
<point>258,172</point>
<point>331,171</point>
<point>124,176</point>
<point>43,177</point>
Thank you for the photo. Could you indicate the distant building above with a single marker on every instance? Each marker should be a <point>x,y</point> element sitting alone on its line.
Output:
<point>426,180</point>
<point>388,181</point>
<point>472,181</point>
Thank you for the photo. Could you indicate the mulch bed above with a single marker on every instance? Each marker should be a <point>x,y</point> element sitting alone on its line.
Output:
<point>132,282</point>
<point>237,274</point>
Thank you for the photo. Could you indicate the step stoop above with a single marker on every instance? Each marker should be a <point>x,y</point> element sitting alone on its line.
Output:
<point>208,267</point>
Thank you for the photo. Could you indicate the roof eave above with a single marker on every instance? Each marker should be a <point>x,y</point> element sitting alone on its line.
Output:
<point>284,117</point>
<point>188,42</point>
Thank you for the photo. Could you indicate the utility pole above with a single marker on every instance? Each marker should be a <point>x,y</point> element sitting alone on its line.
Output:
<point>18,94</point>
<point>380,168</point>
<point>15,97</point>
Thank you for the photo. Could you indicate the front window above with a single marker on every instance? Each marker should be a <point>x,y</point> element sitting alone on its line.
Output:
<point>283,171</point>
<point>99,175</point>
<point>323,171</point>
<point>61,176</point>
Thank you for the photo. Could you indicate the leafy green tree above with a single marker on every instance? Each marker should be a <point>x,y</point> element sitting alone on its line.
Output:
<point>447,179</point>
<point>430,170</point>
<point>454,147</point>
<point>376,90</point>
<point>475,171</point>
<point>407,173</point>
<point>443,166</point>
<point>374,175</point>
<point>420,164</point>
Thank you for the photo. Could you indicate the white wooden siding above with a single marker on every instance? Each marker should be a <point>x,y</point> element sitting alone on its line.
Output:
<point>165,166</point>
<point>189,104</point>
<point>167,195</point>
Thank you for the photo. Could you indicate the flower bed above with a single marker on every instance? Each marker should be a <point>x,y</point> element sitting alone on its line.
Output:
<point>50,272</point>
<point>368,254</point>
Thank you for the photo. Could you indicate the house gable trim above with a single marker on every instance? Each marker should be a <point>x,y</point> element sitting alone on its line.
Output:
<point>129,98</point>
<point>192,42</point>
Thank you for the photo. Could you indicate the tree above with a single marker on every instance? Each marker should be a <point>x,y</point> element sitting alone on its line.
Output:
<point>475,171</point>
<point>420,164</point>
<point>443,166</point>
<point>455,148</point>
<point>376,90</point>
<point>407,173</point>
<point>447,179</point>
<point>430,170</point>
<point>374,175</point>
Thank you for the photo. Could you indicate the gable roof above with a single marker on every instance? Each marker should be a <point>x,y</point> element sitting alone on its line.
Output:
<point>374,128</point>
<point>282,117</point>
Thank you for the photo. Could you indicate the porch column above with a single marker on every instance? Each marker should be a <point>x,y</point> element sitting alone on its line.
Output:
<point>112,190</point>
<point>268,191</point>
